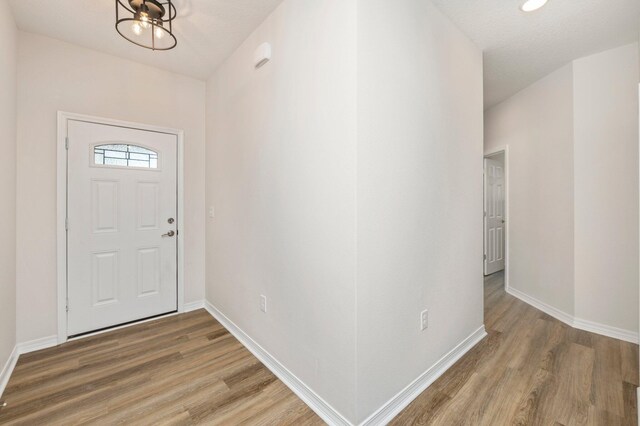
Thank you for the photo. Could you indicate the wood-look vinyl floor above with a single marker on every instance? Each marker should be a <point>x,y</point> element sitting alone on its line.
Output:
<point>187,369</point>
<point>179,370</point>
<point>532,370</point>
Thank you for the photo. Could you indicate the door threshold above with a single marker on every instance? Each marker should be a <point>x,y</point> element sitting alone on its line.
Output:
<point>120,326</point>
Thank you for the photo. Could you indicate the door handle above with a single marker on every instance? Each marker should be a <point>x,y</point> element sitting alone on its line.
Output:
<point>169,234</point>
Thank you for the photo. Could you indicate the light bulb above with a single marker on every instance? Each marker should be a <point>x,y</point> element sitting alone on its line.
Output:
<point>159,32</point>
<point>136,28</point>
<point>144,20</point>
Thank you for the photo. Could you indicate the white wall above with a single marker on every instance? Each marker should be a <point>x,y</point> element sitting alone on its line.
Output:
<point>54,76</point>
<point>606,187</point>
<point>281,164</point>
<point>573,140</point>
<point>419,193</point>
<point>537,124</point>
<point>8,64</point>
<point>332,145</point>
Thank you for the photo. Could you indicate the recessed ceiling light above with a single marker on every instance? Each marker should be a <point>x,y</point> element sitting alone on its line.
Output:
<point>531,5</point>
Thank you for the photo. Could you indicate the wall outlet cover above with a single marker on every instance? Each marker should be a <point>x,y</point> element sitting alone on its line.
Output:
<point>424,320</point>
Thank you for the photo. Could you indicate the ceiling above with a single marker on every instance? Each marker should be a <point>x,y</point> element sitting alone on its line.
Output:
<point>208,31</point>
<point>520,48</point>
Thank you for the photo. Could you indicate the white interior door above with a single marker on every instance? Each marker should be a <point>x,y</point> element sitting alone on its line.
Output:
<point>122,225</point>
<point>494,219</point>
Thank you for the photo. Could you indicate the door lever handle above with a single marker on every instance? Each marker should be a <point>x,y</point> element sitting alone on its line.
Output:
<point>169,234</point>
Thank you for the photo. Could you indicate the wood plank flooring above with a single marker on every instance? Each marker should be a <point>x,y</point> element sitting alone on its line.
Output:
<point>532,370</point>
<point>187,369</point>
<point>180,370</point>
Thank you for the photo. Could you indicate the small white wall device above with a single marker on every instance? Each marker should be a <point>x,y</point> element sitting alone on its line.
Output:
<point>262,55</point>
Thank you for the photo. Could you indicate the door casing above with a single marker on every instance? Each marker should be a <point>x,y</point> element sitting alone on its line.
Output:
<point>61,196</point>
<point>490,153</point>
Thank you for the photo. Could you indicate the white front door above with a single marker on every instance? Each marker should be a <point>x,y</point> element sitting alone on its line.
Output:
<point>494,219</point>
<point>122,225</point>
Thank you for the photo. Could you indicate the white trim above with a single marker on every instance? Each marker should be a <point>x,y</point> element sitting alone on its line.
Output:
<point>8,369</point>
<point>19,349</point>
<point>63,118</point>
<point>399,402</point>
<point>572,321</point>
<point>606,330</point>
<point>61,238</point>
<point>323,409</point>
<point>193,306</point>
<point>37,345</point>
<point>180,135</point>
<point>490,153</point>
<point>542,306</point>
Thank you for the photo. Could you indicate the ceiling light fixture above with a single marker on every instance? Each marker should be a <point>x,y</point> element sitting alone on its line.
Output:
<point>531,5</point>
<point>147,23</point>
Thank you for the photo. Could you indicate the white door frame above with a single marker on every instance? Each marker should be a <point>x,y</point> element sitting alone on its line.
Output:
<point>63,118</point>
<point>491,153</point>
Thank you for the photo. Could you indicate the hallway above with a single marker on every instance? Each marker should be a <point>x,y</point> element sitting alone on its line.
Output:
<point>532,370</point>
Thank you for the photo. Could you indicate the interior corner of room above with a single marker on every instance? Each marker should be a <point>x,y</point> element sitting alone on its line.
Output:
<point>344,212</point>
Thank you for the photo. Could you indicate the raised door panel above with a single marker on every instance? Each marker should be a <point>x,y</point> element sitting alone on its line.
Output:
<point>104,206</point>
<point>104,278</point>
<point>148,266</point>
<point>147,211</point>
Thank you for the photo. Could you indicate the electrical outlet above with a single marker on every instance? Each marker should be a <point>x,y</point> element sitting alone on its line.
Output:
<point>424,320</point>
<point>263,303</point>
<point>212,212</point>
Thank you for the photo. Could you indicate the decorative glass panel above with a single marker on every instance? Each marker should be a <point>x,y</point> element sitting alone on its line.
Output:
<point>125,156</point>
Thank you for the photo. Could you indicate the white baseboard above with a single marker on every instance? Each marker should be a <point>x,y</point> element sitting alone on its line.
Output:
<point>193,306</point>
<point>572,321</point>
<point>7,369</point>
<point>326,412</point>
<point>400,401</point>
<point>306,394</point>
<point>547,309</point>
<point>606,330</point>
<point>23,348</point>
<point>37,345</point>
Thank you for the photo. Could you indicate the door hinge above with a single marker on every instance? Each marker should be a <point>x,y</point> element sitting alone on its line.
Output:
<point>484,257</point>
<point>66,142</point>
<point>66,224</point>
<point>67,305</point>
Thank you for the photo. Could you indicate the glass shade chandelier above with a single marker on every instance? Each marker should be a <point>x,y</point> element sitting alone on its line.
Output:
<point>147,23</point>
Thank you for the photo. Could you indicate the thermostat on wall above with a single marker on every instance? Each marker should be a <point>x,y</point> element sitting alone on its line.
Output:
<point>262,55</point>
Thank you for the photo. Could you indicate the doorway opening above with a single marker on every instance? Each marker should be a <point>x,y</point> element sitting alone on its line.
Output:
<point>496,213</point>
<point>120,211</point>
